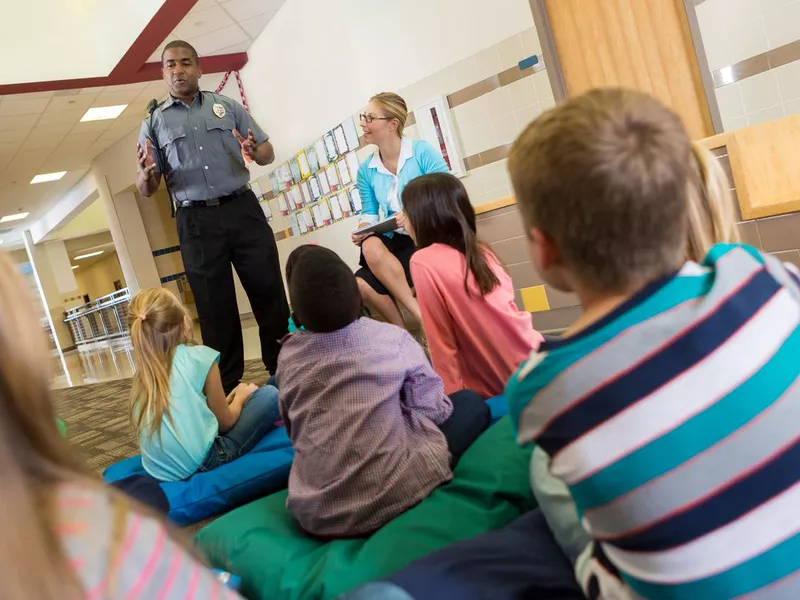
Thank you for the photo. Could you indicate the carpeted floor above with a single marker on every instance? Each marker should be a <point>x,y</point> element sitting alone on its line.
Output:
<point>97,417</point>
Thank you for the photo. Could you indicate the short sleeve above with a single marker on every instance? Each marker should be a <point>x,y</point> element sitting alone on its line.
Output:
<point>199,359</point>
<point>430,160</point>
<point>144,136</point>
<point>244,122</point>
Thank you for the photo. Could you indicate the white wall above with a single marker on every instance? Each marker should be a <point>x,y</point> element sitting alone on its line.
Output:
<point>318,62</point>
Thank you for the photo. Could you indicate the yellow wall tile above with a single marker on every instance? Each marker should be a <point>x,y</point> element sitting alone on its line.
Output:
<point>535,298</point>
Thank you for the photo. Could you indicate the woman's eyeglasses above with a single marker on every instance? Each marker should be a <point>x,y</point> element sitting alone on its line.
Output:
<point>370,118</point>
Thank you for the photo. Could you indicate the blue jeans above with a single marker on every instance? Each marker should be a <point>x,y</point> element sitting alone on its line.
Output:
<point>257,418</point>
<point>377,591</point>
<point>470,418</point>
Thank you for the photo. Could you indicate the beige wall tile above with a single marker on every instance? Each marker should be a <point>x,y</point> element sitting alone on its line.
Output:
<point>544,92</point>
<point>477,138</point>
<point>792,107</point>
<point>497,175</point>
<point>789,81</point>
<point>730,102</point>
<point>465,72</point>
<point>523,275</point>
<point>487,62</point>
<point>511,51</point>
<point>559,299</point>
<point>748,37</point>
<point>783,24</point>
<point>556,319</point>
<point>511,251</point>
<point>748,233</point>
<point>498,103</point>
<point>767,114</point>
<point>525,116</point>
<point>760,92</point>
<point>501,227</point>
<point>505,129</point>
<point>791,256</point>
<point>522,93</point>
<point>530,42</point>
<point>780,233</point>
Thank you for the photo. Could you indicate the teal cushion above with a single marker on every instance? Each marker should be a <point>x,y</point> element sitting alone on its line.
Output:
<point>262,543</point>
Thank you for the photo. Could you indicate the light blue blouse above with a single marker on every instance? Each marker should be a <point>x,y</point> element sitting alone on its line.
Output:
<point>381,190</point>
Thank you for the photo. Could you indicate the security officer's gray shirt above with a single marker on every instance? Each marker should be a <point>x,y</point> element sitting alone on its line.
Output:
<point>202,158</point>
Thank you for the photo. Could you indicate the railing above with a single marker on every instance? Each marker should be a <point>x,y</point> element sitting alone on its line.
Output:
<point>101,319</point>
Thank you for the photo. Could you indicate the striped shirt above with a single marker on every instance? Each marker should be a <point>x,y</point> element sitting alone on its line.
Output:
<point>118,553</point>
<point>674,422</point>
<point>362,405</point>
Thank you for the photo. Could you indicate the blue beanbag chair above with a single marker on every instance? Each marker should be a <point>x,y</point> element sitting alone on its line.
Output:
<point>262,471</point>
<point>498,407</point>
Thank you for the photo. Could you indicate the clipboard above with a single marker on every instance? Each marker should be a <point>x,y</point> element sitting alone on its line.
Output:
<point>302,162</point>
<point>321,152</point>
<point>384,226</point>
<point>351,134</point>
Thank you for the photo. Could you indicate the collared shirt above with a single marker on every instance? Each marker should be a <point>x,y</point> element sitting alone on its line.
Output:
<point>673,420</point>
<point>362,406</point>
<point>203,158</point>
<point>381,190</point>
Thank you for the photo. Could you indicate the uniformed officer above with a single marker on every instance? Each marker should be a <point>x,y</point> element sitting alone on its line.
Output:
<point>220,221</point>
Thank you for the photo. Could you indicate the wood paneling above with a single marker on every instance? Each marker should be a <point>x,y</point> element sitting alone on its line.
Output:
<point>640,44</point>
<point>764,166</point>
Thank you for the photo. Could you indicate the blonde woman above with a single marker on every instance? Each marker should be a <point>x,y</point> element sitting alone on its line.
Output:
<point>179,410</point>
<point>385,277</point>
<point>65,535</point>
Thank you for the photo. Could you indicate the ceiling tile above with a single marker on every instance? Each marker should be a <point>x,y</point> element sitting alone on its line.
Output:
<point>204,4</point>
<point>40,143</point>
<point>33,95</point>
<point>217,40</point>
<point>9,147</point>
<point>66,161</point>
<point>200,22</point>
<point>22,107</point>
<point>80,102</point>
<point>116,98</point>
<point>91,127</point>
<point>241,10</point>
<point>54,130</point>
<point>29,159</point>
<point>13,135</point>
<point>256,25</point>
<point>18,122</point>
<point>63,116</point>
<point>79,141</point>
<point>240,47</point>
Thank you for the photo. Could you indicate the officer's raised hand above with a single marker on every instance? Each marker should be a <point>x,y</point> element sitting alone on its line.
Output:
<point>144,156</point>
<point>248,144</point>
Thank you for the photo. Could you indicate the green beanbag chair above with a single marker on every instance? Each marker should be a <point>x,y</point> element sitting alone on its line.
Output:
<point>262,543</point>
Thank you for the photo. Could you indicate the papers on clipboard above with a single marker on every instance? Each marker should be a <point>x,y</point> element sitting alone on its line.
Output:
<point>306,192</point>
<point>333,176</point>
<point>341,141</point>
<point>350,134</point>
<point>313,162</point>
<point>282,204</point>
<point>313,183</point>
<point>343,199</point>
<point>273,180</point>
<point>344,172</point>
<point>321,152</point>
<point>293,224</point>
<point>384,226</point>
<point>336,208</point>
<point>324,184</point>
<point>267,210</point>
<point>302,161</point>
<point>294,167</point>
<point>353,165</point>
<point>330,146</point>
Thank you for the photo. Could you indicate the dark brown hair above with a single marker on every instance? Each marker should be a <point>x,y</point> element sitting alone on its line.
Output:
<point>322,289</point>
<point>439,210</point>
<point>606,176</point>
<point>180,44</point>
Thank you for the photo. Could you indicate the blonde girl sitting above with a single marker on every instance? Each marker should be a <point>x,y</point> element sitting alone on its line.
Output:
<point>179,410</point>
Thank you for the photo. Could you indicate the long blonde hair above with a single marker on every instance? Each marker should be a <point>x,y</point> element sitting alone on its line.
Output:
<point>158,324</point>
<point>711,215</point>
<point>34,458</point>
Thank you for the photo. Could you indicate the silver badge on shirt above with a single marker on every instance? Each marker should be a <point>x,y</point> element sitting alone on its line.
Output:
<point>219,110</point>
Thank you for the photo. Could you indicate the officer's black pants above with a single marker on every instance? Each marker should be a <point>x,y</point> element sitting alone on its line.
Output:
<point>214,237</point>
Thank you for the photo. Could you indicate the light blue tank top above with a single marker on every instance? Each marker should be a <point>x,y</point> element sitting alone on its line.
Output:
<point>184,445</point>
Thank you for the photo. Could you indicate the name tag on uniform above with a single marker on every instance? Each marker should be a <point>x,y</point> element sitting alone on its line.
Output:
<point>219,110</point>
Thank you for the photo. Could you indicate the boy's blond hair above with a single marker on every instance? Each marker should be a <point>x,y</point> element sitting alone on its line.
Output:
<point>605,176</point>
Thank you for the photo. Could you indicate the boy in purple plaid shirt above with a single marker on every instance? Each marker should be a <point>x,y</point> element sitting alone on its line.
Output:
<point>372,429</point>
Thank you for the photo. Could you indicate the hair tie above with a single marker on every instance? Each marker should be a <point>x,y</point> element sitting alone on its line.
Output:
<point>142,316</point>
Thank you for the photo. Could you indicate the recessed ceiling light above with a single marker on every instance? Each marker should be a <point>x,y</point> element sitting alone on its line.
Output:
<point>89,255</point>
<point>14,217</point>
<point>101,113</point>
<point>48,177</point>
<point>75,267</point>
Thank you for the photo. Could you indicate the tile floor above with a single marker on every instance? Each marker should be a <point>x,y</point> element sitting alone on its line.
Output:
<point>113,360</point>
